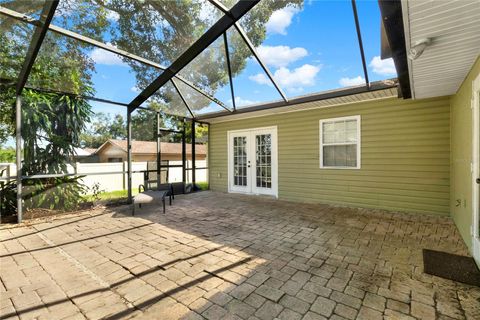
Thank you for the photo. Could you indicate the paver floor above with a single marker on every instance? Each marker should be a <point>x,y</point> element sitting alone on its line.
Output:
<point>224,256</point>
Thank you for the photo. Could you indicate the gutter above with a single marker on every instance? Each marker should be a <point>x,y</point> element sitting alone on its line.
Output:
<point>374,86</point>
<point>392,18</point>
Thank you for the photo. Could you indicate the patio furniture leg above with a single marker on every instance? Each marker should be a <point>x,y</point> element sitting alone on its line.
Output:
<point>170,199</point>
<point>133,210</point>
<point>163,202</point>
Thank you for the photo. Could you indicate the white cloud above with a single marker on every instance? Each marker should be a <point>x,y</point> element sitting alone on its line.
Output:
<point>281,19</point>
<point>135,89</point>
<point>113,15</point>
<point>239,101</point>
<point>383,67</point>
<point>207,13</point>
<point>348,82</point>
<point>302,76</point>
<point>293,80</point>
<point>296,90</point>
<point>281,56</point>
<point>102,56</point>
<point>260,78</point>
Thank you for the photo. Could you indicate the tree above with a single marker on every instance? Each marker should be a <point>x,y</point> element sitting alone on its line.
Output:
<point>54,125</point>
<point>144,124</point>
<point>11,58</point>
<point>51,122</point>
<point>7,155</point>
<point>162,30</point>
<point>103,127</point>
<point>157,30</point>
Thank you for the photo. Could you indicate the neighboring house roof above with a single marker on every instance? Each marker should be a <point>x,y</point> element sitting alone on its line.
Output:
<point>149,147</point>
<point>90,150</point>
<point>84,152</point>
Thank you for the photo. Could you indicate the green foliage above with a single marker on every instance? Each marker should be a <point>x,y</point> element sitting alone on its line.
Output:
<point>102,128</point>
<point>53,124</point>
<point>95,192</point>
<point>65,193</point>
<point>202,185</point>
<point>112,197</point>
<point>162,30</point>
<point>144,125</point>
<point>8,197</point>
<point>106,126</point>
<point>7,155</point>
<point>157,30</point>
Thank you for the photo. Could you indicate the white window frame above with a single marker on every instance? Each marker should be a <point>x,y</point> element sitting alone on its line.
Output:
<point>358,143</point>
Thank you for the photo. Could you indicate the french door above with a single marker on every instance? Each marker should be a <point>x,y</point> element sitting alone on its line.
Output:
<point>252,161</point>
<point>476,171</point>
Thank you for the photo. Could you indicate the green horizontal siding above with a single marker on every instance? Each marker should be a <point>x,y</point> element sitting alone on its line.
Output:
<point>405,156</point>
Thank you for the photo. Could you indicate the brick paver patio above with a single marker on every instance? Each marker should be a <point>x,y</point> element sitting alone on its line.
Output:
<point>220,256</point>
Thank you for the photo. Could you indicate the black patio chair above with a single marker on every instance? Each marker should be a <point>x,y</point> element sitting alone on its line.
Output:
<point>152,193</point>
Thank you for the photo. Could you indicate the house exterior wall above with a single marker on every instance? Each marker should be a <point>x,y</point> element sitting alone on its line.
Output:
<point>461,155</point>
<point>111,151</point>
<point>405,156</point>
<point>144,157</point>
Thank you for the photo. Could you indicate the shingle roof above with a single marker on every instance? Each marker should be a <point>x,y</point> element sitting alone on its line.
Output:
<point>90,150</point>
<point>148,147</point>
<point>84,152</point>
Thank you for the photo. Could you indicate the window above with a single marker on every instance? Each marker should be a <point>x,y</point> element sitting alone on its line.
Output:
<point>115,160</point>
<point>340,143</point>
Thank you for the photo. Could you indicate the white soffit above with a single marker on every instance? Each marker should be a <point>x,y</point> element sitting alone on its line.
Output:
<point>325,103</point>
<point>454,27</point>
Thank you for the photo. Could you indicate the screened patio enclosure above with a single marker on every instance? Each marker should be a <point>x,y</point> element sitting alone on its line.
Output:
<point>187,61</point>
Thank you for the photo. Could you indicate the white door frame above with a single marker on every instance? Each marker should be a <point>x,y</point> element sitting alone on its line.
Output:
<point>231,186</point>
<point>251,149</point>
<point>475,170</point>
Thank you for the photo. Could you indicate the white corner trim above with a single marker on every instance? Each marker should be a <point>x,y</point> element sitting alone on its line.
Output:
<point>475,101</point>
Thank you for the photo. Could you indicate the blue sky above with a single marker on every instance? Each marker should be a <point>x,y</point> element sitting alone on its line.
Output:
<point>309,50</point>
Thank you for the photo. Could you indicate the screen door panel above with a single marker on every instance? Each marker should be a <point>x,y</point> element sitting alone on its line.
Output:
<point>240,161</point>
<point>263,163</point>
<point>239,173</point>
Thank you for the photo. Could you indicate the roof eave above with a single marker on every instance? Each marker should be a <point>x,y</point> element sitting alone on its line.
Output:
<point>374,86</point>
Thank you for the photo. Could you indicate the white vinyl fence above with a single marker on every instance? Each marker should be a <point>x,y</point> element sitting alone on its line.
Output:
<point>112,176</point>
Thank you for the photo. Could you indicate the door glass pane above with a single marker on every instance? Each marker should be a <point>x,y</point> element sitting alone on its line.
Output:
<point>263,146</point>
<point>240,161</point>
